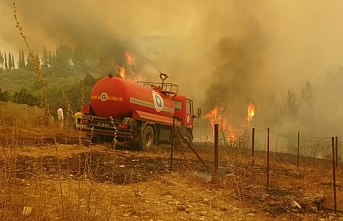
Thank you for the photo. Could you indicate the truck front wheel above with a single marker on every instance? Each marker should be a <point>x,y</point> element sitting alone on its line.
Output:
<point>148,138</point>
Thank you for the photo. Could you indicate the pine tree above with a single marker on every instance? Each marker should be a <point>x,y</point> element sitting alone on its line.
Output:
<point>52,58</point>
<point>37,60</point>
<point>9,61</point>
<point>29,65</point>
<point>13,66</point>
<point>23,58</point>
<point>19,62</point>
<point>1,60</point>
<point>6,67</point>
<point>45,59</point>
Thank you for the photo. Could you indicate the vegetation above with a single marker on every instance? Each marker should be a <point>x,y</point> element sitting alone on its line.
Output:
<point>64,69</point>
<point>23,78</point>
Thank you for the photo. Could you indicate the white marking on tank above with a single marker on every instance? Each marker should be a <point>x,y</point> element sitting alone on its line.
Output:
<point>158,101</point>
<point>149,104</point>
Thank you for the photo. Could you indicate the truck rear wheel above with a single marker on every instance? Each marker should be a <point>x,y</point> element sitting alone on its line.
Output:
<point>148,138</point>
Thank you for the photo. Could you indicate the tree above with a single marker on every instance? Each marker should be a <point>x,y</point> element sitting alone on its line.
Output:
<point>1,60</point>
<point>45,58</point>
<point>9,61</point>
<point>291,104</point>
<point>21,60</point>
<point>37,60</point>
<point>307,97</point>
<point>63,56</point>
<point>6,67</point>
<point>52,58</point>
<point>30,66</point>
<point>89,80</point>
<point>12,64</point>
<point>78,57</point>
<point>25,97</point>
<point>4,95</point>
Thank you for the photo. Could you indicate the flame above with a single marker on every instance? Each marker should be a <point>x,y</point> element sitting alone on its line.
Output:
<point>219,116</point>
<point>251,111</point>
<point>129,59</point>
<point>121,71</point>
<point>213,116</point>
<point>131,75</point>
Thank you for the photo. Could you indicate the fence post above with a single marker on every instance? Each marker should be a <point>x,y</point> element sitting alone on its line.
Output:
<point>268,158</point>
<point>215,168</point>
<point>336,150</point>
<point>253,147</point>
<point>172,145</point>
<point>334,173</point>
<point>298,151</point>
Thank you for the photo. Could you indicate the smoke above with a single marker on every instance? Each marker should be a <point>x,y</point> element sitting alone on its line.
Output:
<point>238,65</point>
<point>221,53</point>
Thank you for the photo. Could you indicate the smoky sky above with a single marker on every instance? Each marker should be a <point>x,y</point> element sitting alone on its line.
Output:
<point>237,73</point>
<point>221,52</point>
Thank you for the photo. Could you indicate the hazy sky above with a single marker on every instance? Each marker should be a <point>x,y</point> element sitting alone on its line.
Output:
<point>301,38</point>
<point>253,46</point>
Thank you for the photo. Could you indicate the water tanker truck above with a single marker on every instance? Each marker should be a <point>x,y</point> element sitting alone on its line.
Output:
<point>139,113</point>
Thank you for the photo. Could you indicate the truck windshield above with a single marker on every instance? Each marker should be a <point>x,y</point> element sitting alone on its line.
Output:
<point>188,107</point>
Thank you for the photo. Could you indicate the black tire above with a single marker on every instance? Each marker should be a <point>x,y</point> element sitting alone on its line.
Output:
<point>188,137</point>
<point>148,138</point>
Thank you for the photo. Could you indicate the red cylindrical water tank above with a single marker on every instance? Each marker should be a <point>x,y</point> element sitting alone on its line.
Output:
<point>116,97</point>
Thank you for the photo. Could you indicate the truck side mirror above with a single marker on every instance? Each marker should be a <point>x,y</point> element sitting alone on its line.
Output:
<point>199,113</point>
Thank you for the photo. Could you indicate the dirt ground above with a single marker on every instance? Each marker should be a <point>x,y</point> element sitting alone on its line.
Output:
<point>58,178</point>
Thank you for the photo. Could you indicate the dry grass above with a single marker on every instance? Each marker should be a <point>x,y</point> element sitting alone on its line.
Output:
<point>55,173</point>
<point>64,181</point>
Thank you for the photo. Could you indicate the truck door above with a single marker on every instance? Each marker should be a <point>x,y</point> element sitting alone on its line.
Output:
<point>189,113</point>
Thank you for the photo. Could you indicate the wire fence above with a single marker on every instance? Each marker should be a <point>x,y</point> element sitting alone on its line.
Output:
<point>309,146</point>
<point>295,163</point>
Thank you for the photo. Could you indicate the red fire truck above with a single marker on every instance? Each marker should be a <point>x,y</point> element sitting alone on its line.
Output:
<point>141,113</point>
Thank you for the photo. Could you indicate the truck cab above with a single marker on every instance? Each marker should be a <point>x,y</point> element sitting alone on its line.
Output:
<point>184,112</point>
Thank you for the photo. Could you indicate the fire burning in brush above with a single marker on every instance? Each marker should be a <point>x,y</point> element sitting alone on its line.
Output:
<point>131,74</point>
<point>251,111</point>
<point>219,116</point>
<point>129,59</point>
<point>121,71</point>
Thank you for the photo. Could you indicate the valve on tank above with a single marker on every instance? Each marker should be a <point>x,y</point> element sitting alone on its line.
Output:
<point>163,77</point>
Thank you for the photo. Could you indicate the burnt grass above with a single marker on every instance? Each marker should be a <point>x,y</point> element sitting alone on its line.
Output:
<point>117,167</point>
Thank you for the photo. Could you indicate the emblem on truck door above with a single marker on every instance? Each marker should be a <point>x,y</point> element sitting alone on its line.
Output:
<point>158,101</point>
